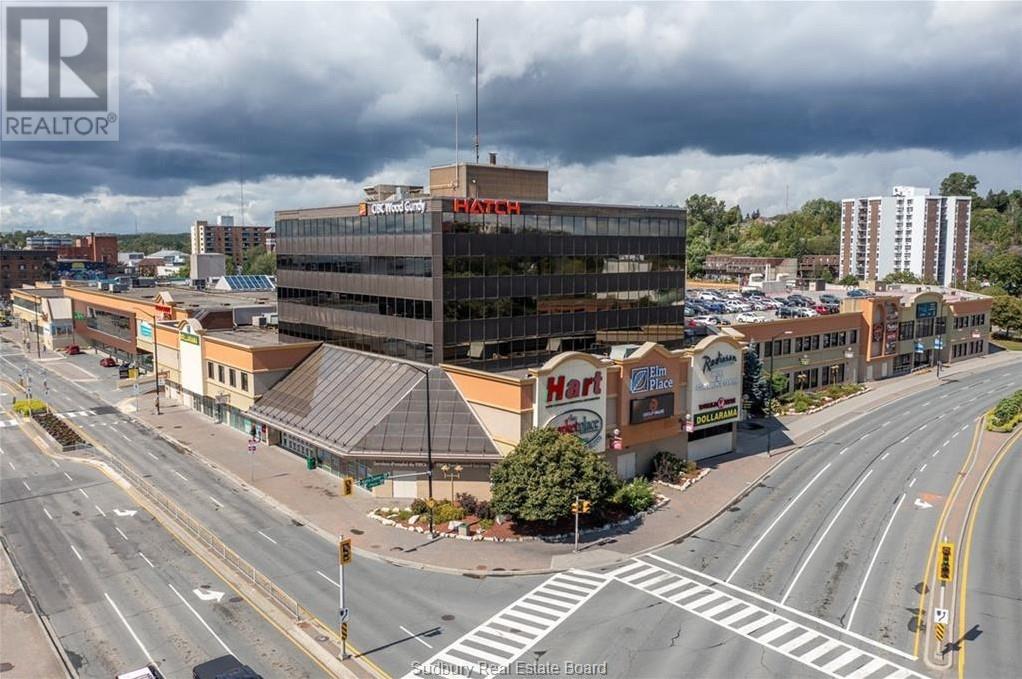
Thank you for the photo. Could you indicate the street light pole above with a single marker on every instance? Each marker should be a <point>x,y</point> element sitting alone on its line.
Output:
<point>770,381</point>
<point>429,457</point>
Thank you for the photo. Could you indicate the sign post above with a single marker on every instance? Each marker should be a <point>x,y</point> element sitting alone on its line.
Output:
<point>135,390</point>
<point>579,507</point>
<point>344,554</point>
<point>251,455</point>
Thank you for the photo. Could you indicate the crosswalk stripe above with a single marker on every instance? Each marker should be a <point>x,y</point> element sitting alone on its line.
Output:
<point>561,577</point>
<point>740,615</point>
<point>569,587</point>
<point>507,648</point>
<point>867,669</point>
<point>842,660</point>
<point>702,601</point>
<point>634,577</point>
<point>549,601</point>
<point>661,591</point>
<point>800,640</point>
<point>485,655</point>
<point>824,648</point>
<point>689,593</point>
<point>720,608</point>
<point>900,674</point>
<point>510,636</point>
<point>537,607</point>
<point>755,625</point>
<point>776,633</point>
<point>543,622</point>
<point>652,581</point>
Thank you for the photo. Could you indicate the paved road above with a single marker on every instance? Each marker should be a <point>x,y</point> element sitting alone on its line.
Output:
<point>993,619</point>
<point>836,530</point>
<point>116,587</point>
<point>399,616</point>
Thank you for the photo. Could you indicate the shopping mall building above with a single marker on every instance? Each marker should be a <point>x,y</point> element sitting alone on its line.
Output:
<point>482,271</point>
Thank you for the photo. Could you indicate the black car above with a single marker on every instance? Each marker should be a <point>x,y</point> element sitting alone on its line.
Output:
<point>827,298</point>
<point>224,667</point>
<point>832,307</point>
<point>787,311</point>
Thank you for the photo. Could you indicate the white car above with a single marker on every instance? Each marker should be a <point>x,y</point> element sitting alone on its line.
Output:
<point>734,306</point>
<point>708,297</point>
<point>805,312</point>
<point>733,295</point>
<point>748,317</point>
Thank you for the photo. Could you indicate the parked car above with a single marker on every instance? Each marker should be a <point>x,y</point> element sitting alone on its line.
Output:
<point>833,308</point>
<point>714,307</point>
<point>859,292</point>
<point>708,296</point>
<point>759,305</point>
<point>820,309</point>
<point>749,317</point>
<point>806,312</point>
<point>788,312</point>
<point>733,295</point>
<point>828,298</point>
<point>702,320</point>
<point>224,667</point>
<point>771,303</point>
<point>691,311</point>
<point>734,306</point>
<point>73,350</point>
<point>108,362</point>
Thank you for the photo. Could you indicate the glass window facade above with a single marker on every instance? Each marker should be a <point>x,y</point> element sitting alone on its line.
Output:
<point>502,291</point>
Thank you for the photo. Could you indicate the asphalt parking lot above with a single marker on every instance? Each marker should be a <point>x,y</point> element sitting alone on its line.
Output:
<point>767,314</point>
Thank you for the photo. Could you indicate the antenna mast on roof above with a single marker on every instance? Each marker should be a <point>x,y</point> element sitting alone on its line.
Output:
<point>457,107</point>
<point>477,91</point>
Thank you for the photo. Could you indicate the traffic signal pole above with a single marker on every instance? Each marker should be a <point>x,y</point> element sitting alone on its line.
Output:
<point>344,553</point>
<point>577,507</point>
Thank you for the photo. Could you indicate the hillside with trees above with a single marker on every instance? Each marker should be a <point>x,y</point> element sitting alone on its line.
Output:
<point>152,242</point>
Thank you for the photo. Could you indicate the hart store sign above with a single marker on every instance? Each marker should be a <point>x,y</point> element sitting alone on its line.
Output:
<point>571,397</point>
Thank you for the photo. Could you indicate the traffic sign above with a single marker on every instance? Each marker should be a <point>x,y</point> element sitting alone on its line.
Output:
<point>251,446</point>
<point>347,484</point>
<point>344,631</point>
<point>945,567</point>
<point>919,347</point>
<point>345,615</point>
<point>374,480</point>
<point>940,615</point>
<point>938,631</point>
<point>938,343</point>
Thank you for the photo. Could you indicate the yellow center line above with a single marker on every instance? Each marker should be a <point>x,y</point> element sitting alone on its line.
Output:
<point>936,538</point>
<point>967,546</point>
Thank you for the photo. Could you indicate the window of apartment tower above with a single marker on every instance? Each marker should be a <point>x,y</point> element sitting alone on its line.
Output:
<point>220,373</point>
<point>231,375</point>
<point>244,381</point>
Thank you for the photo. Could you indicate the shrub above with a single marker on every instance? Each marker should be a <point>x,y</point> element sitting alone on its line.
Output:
<point>1007,413</point>
<point>691,467</point>
<point>802,402</point>
<point>27,406</point>
<point>447,511</point>
<point>635,496</point>
<point>418,506</point>
<point>667,467</point>
<point>468,502</point>
<point>404,515</point>
<point>544,474</point>
<point>486,524</point>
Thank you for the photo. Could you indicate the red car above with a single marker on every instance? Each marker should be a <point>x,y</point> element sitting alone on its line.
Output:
<point>822,309</point>
<point>108,362</point>
<point>73,350</point>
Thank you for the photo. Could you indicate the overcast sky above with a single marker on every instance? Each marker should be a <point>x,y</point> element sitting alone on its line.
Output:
<point>625,103</point>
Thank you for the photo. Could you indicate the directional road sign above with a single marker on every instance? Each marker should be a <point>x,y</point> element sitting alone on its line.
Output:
<point>940,615</point>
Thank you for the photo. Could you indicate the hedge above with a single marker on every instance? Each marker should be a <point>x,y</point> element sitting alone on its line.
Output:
<point>1007,414</point>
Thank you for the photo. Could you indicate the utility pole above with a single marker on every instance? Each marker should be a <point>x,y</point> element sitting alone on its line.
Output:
<point>575,507</point>
<point>344,554</point>
<point>477,91</point>
<point>429,457</point>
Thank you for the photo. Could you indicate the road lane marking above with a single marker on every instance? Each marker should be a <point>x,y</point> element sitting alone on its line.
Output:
<point>926,404</point>
<point>121,532</point>
<point>330,580</point>
<point>27,487</point>
<point>124,437</point>
<point>973,511</point>
<point>924,426</point>
<point>912,482</point>
<point>964,427</point>
<point>12,465</point>
<point>131,631</point>
<point>82,491</point>
<point>76,553</point>
<point>55,463</point>
<point>922,469</point>
<point>885,423</point>
<point>904,439</point>
<point>774,523</point>
<point>215,501</point>
<point>47,513</point>
<point>151,455</point>
<point>823,535</point>
<point>936,453</point>
<point>947,442</point>
<point>414,636</point>
<point>180,475</point>
<point>884,456</point>
<point>146,560</point>
<point>204,623</point>
<point>869,568</point>
<point>845,450</point>
<point>955,434</point>
<point>68,477</point>
<point>100,510</point>
<point>513,631</point>
<point>267,536</point>
<point>755,619</point>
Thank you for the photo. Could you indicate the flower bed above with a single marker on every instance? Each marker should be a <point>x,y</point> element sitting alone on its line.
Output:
<point>66,437</point>
<point>807,402</point>
<point>471,527</point>
<point>685,480</point>
<point>1006,415</point>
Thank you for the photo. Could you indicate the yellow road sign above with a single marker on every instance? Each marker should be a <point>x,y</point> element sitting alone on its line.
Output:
<point>945,566</point>
<point>938,631</point>
<point>344,631</point>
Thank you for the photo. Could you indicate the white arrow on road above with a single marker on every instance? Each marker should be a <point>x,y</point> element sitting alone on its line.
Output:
<point>922,504</point>
<point>208,595</point>
<point>125,512</point>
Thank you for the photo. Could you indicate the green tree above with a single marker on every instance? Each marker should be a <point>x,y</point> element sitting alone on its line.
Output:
<point>848,279</point>
<point>1005,270</point>
<point>778,383</point>
<point>1006,314</point>
<point>900,277</point>
<point>959,184</point>
<point>754,383</point>
<point>259,261</point>
<point>541,477</point>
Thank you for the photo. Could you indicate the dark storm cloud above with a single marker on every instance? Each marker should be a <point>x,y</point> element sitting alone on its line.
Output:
<point>321,114</point>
